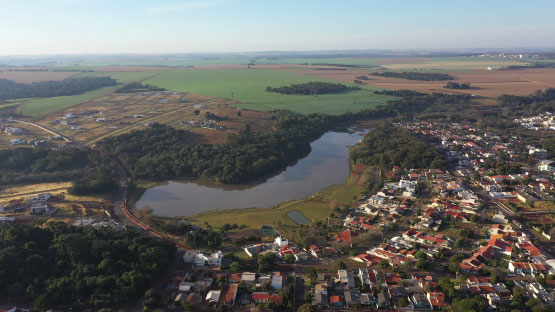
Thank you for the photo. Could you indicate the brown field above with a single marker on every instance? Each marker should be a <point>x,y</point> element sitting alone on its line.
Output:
<point>486,83</point>
<point>172,108</point>
<point>34,76</point>
<point>129,68</point>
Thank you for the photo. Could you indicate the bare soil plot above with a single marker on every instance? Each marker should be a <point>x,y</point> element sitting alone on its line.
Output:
<point>116,114</point>
<point>129,68</point>
<point>30,133</point>
<point>34,76</point>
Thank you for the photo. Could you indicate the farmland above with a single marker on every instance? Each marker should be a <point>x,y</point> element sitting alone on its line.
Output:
<point>247,86</point>
<point>29,76</point>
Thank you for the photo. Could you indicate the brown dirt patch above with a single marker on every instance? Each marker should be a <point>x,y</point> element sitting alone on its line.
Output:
<point>129,68</point>
<point>34,76</point>
<point>234,236</point>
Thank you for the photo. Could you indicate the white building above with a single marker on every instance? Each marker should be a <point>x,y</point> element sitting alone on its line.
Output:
<point>281,241</point>
<point>200,258</point>
<point>40,198</point>
<point>40,209</point>
<point>213,296</point>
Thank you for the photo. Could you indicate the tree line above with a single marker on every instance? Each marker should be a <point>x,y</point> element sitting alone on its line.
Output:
<point>312,88</point>
<point>90,172</point>
<point>390,146</point>
<point>138,87</point>
<point>414,75</point>
<point>57,265</point>
<point>456,85</point>
<point>13,90</point>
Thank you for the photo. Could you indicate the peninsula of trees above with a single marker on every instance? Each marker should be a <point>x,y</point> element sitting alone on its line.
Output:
<point>13,90</point>
<point>312,88</point>
<point>390,146</point>
<point>414,75</point>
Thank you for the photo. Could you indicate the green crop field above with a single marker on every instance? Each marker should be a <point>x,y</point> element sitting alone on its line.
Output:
<point>248,86</point>
<point>40,108</point>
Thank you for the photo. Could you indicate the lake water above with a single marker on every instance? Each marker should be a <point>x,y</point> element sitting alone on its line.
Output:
<point>327,164</point>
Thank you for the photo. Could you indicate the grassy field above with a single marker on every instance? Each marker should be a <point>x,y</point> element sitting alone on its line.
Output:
<point>315,208</point>
<point>40,108</point>
<point>249,87</point>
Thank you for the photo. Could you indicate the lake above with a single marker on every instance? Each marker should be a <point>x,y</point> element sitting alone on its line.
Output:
<point>327,164</point>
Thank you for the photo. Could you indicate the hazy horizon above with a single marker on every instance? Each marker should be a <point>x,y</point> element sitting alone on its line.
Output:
<point>70,27</point>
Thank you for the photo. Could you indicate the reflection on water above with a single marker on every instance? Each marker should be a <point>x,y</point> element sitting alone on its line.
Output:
<point>327,164</point>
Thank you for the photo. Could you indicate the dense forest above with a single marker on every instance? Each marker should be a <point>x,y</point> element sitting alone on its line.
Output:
<point>13,90</point>
<point>138,87</point>
<point>161,152</point>
<point>390,146</point>
<point>539,102</point>
<point>312,88</point>
<point>91,173</point>
<point>456,85</point>
<point>59,265</point>
<point>414,75</point>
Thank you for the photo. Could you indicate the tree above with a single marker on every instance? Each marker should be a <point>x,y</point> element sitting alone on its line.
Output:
<point>307,307</point>
<point>383,264</point>
<point>447,287</point>
<point>403,302</point>
<point>289,259</point>
<point>339,265</point>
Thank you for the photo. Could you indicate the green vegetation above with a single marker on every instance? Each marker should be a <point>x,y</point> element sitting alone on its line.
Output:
<point>160,152</point>
<point>414,75</point>
<point>248,86</point>
<point>138,87</point>
<point>456,85</point>
<point>68,267</point>
<point>13,90</point>
<point>390,146</point>
<point>312,88</point>
<point>91,173</point>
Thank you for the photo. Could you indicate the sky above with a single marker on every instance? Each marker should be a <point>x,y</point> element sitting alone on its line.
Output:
<point>36,27</point>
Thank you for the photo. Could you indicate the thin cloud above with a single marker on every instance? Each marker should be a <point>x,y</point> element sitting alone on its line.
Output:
<point>185,5</point>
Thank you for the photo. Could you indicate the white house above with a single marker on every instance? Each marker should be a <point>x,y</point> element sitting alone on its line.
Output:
<point>538,153</point>
<point>70,116</point>
<point>213,296</point>
<point>200,258</point>
<point>40,198</point>
<point>281,241</point>
<point>39,209</point>
<point>546,165</point>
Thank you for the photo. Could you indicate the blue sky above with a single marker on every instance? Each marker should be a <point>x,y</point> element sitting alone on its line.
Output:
<point>178,26</point>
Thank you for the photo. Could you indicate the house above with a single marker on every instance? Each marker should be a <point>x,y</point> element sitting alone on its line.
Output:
<point>231,294</point>
<point>437,300</point>
<point>193,298</point>
<point>351,297</point>
<point>526,268</point>
<point>277,282</point>
<point>260,297</point>
<point>40,209</point>
<point>345,236</point>
<point>213,296</point>
<point>252,250</point>
<point>276,299</point>
<point>538,153</point>
<point>420,302</point>
<point>40,198</point>
<point>248,278</point>
<point>368,300</point>
<point>70,116</point>
<point>17,141</point>
<point>384,301</point>
<point>186,287</point>
<point>546,165</point>
<point>281,242</point>
<point>320,298</point>
<point>336,301</point>
<point>200,258</point>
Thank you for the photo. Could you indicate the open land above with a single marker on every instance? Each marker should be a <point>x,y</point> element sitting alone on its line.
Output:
<point>21,76</point>
<point>248,87</point>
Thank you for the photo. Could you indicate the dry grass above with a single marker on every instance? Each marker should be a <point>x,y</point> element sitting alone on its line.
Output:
<point>24,191</point>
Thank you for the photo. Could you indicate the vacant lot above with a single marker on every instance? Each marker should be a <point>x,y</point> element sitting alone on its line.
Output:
<point>119,113</point>
<point>34,76</point>
<point>248,87</point>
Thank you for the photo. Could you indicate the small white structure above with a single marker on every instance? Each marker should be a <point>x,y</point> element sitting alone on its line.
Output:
<point>14,131</point>
<point>101,119</point>
<point>248,278</point>
<point>279,241</point>
<point>17,141</point>
<point>70,116</point>
<point>499,218</point>
<point>213,296</point>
